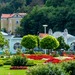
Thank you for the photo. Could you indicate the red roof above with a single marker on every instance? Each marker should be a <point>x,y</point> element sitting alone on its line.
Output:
<point>11,15</point>
<point>41,35</point>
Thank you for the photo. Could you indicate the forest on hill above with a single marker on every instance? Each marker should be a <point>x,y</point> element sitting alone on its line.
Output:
<point>57,14</point>
<point>11,6</point>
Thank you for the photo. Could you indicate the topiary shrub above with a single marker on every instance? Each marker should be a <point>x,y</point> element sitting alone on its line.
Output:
<point>49,42</point>
<point>18,61</point>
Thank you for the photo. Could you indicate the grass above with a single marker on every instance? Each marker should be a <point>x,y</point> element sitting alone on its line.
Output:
<point>5,70</point>
<point>38,61</point>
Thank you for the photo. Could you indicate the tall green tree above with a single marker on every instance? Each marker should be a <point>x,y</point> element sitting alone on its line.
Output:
<point>17,4</point>
<point>62,44</point>
<point>33,22</point>
<point>3,41</point>
<point>54,3</point>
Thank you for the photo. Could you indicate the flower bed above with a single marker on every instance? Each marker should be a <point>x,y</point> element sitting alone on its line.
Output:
<point>18,67</point>
<point>54,60</point>
<point>39,57</point>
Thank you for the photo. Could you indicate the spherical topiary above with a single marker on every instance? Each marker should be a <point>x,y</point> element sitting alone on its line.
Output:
<point>49,42</point>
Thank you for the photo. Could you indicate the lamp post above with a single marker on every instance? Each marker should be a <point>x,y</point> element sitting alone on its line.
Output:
<point>45,32</point>
<point>45,28</point>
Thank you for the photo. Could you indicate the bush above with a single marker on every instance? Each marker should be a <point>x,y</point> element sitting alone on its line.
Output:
<point>38,52</point>
<point>2,56</point>
<point>29,52</point>
<point>54,54</point>
<point>49,69</point>
<point>69,67</point>
<point>18,61</point>
<point>1,63</point>
<point>30,63</point>
<point>7,62</point>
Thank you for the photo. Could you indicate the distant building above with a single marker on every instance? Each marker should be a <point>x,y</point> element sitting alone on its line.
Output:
<point>69,39</point>
<point>10,22</point>
<point>14,42</point>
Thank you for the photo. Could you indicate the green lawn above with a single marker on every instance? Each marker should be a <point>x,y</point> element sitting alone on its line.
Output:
<point>5,70</point>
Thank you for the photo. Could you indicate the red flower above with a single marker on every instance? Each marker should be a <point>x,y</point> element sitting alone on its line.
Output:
<point>39,57</point>
<point>53,60</point>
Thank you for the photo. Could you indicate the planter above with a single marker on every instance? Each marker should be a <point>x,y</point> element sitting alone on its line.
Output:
<point>18,67</point>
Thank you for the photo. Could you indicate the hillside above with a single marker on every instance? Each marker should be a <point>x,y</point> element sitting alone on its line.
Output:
<point>11,6</point>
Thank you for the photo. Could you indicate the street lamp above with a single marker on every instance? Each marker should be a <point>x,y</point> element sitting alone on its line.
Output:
<point>45,28</point>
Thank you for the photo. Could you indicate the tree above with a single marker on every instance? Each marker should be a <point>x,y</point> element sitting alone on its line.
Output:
<point>62,44</point>
<point>3,41</point>
<point>54,3</point>
<point>29,41</point>
<point>32,23</point>
<point>49,42</point>
<point>17,3</point>
<point>28,2</point>
<point>18,31</point>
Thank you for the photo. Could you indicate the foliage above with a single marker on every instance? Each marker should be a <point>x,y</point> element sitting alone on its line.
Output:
<point>30,63</point>
<point>54,3</point>
<point>7,62</point>
<point>49,42</point>
<point>3,41</point>
<point>29,41</point>
<point>6,52</point>
<point>18,31</point>
<point>46,70</point>
<point>29,52</point>
<point>67,46</point>
<point>1,63</point>
<point>69,67</point>
<point>18,51</point>
<point>18,61</point>
<point>62,44</point>
<point>57,14</point>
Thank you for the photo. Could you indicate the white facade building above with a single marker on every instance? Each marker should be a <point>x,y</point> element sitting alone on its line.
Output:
<point>69,39</point>
<point>14,42</point>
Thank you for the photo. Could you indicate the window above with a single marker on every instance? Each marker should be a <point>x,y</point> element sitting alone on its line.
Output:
<point>17,45</point>
<point>16,15</point>
<point>17,22</point>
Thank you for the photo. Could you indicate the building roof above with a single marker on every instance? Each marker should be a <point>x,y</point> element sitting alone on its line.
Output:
<point>41,35</point>
<point>11,15</point>
<point>3,33</point>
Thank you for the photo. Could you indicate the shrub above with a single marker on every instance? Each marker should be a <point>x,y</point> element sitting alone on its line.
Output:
<point>1,63</point>
<point>29,52</point>
<point>30,63</point>
<point>7,62</point>
<point>18,61</point>
<point>69,67</point>
<point>2,56</point>
<point>49,69</point>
